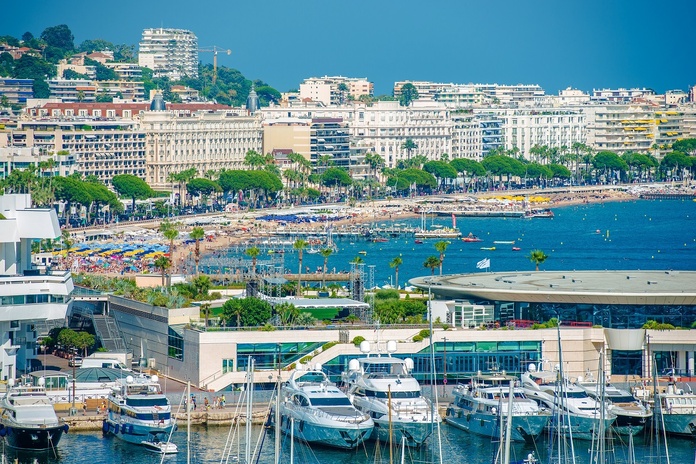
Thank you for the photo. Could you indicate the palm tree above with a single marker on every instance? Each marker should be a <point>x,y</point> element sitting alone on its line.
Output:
<point>67,242</point>
<point>431,263</point>
<point>409,145</point>
<point>441,246</point>
<point>197,234</point>
<point>325,253</point>
<point>395,263</point>
<point>163,263</point>
<point>254,253</point>
<point>205,309</point>
<point>537,257</point>
<point>300,245</point>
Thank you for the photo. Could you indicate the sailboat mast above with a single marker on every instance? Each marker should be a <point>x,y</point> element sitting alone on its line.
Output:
<point>433,388</point>
<point>250,390</point>
<point>508,424</point>
<point>277,413</point>
<point>188,421</point>
<point>391,432</point>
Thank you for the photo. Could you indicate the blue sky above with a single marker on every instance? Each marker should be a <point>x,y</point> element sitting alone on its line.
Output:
<point>557,44</point>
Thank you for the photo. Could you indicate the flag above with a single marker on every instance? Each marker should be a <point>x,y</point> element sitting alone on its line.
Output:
<point>483,264</point>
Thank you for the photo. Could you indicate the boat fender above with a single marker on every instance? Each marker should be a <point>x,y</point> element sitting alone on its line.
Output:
<point>116,429</point>
<point>176,427</point>
<point>66,428</point>
<point>3,431</point>
<point>468,417</point>
<point>460,413</point>
<point>449,412</point>
<point>105,427</point>
<point>124,429</point>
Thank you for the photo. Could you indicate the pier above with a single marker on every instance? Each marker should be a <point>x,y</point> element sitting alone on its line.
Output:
<point>668,196</point>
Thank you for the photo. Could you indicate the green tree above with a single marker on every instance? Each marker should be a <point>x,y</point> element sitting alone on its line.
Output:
<point>325,253</point>
<point>197,234</point>
<point>287,313</point>
<point>133,187</point>
<point>170,232</point>
<point>250,311</point>
<point>59,37</point>
<point>163,263</point>
<point>300,245</point>
<point>202,186</point>
<point>441,170</point>
<point>394,264</point>
<point>441,247</point>
<point>537,257</point>
<point>409,145</point>
<point>202,284</point>
<point>687,146</point>
<point>431,262</point>
<point>408,94</point>
<point>253,253</point>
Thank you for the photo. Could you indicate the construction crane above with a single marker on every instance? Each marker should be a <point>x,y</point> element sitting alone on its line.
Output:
<point>215,49</point>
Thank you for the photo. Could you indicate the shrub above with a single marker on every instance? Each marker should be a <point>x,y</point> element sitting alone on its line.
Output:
<point>358,340</point>
<point>387,294</point>
<point>417,338</point>
<point>654,325</point>
<point>268,328</point>
<point>328,345</point>
<point>425,333</point>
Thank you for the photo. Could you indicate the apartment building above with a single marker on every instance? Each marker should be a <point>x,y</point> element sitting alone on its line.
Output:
<point>204,140</point>
<point>523,128</point>
<point>475,135</point>
<point>169,53</point>
<point>101,147</point>
<point>328,138</point>
<point>427,91</point>
<point>335,90</point>
<point>466,95</point>
<point>126,90</point>
<point>620,95</point>
<point>126,71</point>
<point>73,90</point>
<point>621,128</point>
<point>16,90</point>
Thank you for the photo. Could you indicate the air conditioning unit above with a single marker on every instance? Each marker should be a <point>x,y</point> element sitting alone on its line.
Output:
<point>151,363</point>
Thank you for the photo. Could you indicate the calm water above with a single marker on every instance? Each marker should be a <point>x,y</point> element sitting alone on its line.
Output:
<point>632,235</point>
<point>207,446</point>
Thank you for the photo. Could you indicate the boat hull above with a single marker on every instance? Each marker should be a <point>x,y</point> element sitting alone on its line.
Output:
<point>345,436</point>
<point>33,438</point>
<point>626,424</point>
<point>524,428</point>
<point>680,424</point>
<point>415,433</point>
<point>137,433</point>
<point>581,427</point>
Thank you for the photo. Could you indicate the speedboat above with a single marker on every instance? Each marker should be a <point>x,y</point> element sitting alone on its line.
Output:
<point>383,387</point>
<point>318,412</point>
<point>575,413</point>
<point>139,413</point>
<point>631,413</point>
<point>479,404</point>
<point>488,248</point>
<point>28,419</point>
<point>471,238</point>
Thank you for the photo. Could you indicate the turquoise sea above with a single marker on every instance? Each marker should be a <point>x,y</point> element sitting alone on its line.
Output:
<point>639,234</point>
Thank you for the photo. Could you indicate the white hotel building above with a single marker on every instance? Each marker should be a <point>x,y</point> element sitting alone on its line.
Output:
<point>523,128</point>
<point>205,140</point>
<point>28,296</point>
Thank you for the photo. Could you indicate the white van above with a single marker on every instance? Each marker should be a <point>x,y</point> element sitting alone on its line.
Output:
<point>105,363</point>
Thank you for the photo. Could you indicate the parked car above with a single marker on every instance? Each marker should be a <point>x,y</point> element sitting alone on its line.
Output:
<point>75,361</point>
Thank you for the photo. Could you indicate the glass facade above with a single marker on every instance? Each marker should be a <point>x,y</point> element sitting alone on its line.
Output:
<point>459,360</point>
<point>176,345</point>
<point>613,316</point>
<point>627,362</point>
<point>266,354</point>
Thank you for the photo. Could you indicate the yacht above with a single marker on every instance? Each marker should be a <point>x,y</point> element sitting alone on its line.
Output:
<point>631,413</point>
<point>318,412</point>
<point>382,387</point>
<point>28,419</point>
<point>577,413</point>
<point>678,411</point>
<point>478,405</point>
<point>139,413</point>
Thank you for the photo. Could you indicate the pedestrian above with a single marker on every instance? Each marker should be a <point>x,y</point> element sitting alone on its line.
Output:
<point>222,401</point>
<point>206,403</point>
<point>84,408</point>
